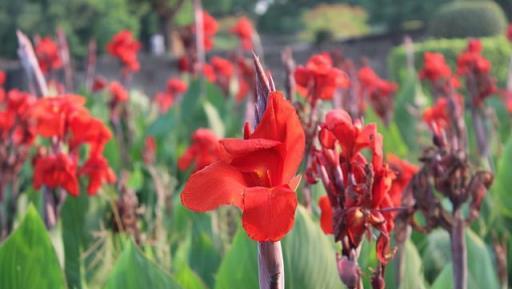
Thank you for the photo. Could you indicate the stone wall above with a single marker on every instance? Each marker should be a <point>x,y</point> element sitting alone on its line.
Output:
<point>156,70</point>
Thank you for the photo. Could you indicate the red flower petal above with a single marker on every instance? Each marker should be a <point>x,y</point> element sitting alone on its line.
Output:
<point>268,213</point>
<point>326,222</point>
<point>216,185</point>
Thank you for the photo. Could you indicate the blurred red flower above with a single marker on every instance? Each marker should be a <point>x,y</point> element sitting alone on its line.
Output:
<point>244,30</point>
<point>86,129</point>
<point>118,92</point>
<point>509,32</point>
<point>437,116</point>
<point>97,169</point>
<point>319,79</point>
<point>435,67</point>
<point>203,151</point>
<point>3,77</point>
<point>210,27</point>
<point>47,52</point>
<point>379,92</point>
<point>55,171</point>
<point>256,174</point>
<point>125,47</point>
<point>53,114</point>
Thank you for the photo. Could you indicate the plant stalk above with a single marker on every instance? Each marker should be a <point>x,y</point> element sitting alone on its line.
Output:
<point>271,265</point>
<point>459,253</point>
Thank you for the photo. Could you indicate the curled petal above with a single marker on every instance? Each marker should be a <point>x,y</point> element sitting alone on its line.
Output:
<point>268,213</point>
<point>216,185</point>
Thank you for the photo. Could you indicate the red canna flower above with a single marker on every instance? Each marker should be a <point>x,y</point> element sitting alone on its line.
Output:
<point>56,171</point>
<point>47,52</point>
<point>164,101</point>
<point>176,86</point>
<point>97,169</point>
<point>244,30</point>
<point>379,92</point>
<point>256,174</point>
<point>52,114</point>
<point>209,73</point>
<point>86,129</point>
<point>219,71</point>
<point>319,79</point>
<point>149,150</point>
<point>99,83</point>
<point>472,60</point>
<point>118,92</point>
<point>203,151</point>
<point>246,76</point>
<point>125,47</point>
<point>210,27</point>
<point>3,77</point>
<point>435,67</point>
<point>437,116</point>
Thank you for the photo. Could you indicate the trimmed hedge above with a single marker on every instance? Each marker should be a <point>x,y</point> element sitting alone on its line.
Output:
<point>468,19</point>
<point>496,49</point>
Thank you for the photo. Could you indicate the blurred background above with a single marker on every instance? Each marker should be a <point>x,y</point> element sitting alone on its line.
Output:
<point>360,28</point>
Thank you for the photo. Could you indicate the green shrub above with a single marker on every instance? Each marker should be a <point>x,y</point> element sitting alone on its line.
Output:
<point>496,49</point>
<point>468,19</point>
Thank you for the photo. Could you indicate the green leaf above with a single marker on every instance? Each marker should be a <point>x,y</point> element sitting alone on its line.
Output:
<point>28,259</point>
<point>501,187</point>
<point>136,179</point>
<point>393,141</point>
<point>239,268</point>
<point>445,279</point>
<point>214,120</point>
<point>309,259</point>
<point>411,268</point>
<point>481,272</point>
<point>134,271</point>
<point>73,236</point>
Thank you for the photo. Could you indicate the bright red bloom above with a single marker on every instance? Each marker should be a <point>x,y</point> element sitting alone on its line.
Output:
<point>52,114</point>
<point>3,77</point>
<point>125,47</point>
<point>203,151</point>
<point>319,79</point>
<point>209,73</point>
<point>210,27</point>
<point>326,215</point>
<point>56,171</point>
<point>244,30</point>
<point>219,71</point>
<point>164,101</point>
<point>472,59</point>
<point>149,150</point>
<point>435,67</point>
<point>437,116</point>
<point>176,86</point>
<point>118,92</point>
<point>256,174</point>
<point>97,169</point>
<point>47,52</point>
<point>379,92</point>
<point>86,129</point>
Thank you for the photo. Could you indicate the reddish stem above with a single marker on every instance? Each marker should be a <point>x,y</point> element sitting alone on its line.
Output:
<point>459,253</point>
<point>271,265</point>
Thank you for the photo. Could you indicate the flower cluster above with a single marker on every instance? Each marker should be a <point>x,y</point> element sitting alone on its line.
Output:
<point>359,191</point>
<point>319,79</point>
<point>203,151</point>
<point>438,73</point>
<point>165,99</point>
<point>219,71</point>
<point>47,53</point>
<point>245,31</point>
<point>66,123</point>
<point>255,174</point>
<point>210,28</point>
<point>378,91</point>
<point>125,47</point>
<point>475,68</point>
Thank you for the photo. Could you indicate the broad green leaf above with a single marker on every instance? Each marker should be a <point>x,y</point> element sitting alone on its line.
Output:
<point>187,278</point>
<point>73,236</point>
<point>134,271</point>
<point>445,279</point>
<point>239,268</point>
<point>136,179</point>
<point>309,259</point>
<point>501,189</point>
<point>411,268</point>
<point>214,120</point>
<point>481,270</point>
<point>393,141</point>
<point>28,259</point>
